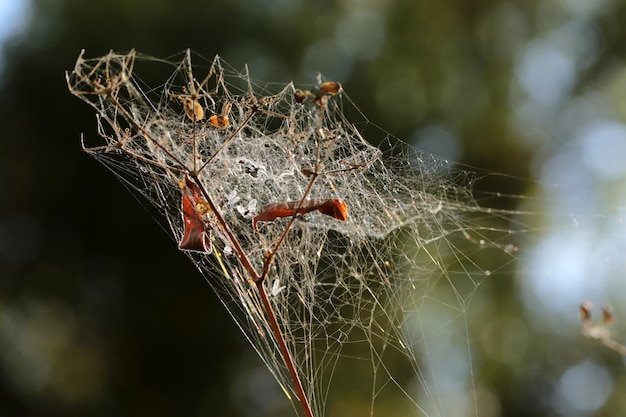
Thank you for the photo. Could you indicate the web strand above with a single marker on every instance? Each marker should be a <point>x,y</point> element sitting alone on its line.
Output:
<point>368,257</point>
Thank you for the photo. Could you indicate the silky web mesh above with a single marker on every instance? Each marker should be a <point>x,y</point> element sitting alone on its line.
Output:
<point>363,304</point>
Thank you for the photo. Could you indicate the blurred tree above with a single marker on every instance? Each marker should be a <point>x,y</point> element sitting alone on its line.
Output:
<point>101,315</point>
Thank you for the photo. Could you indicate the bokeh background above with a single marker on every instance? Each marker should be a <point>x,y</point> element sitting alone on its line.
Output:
<point>100,315</point>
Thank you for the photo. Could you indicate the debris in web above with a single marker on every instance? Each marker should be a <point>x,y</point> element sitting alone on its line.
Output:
<point>369,257</point>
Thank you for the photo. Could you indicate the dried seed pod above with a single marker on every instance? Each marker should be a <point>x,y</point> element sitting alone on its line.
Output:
<point>585,311</point>
<point>218,121</point>
<point>301,95</point>
<point>330,88</point>
<point>307,172</point>
<point>321,100</point>
<point>193,109</point>
<point>221,120</point>
<point>196,235</point>
<point>607,315</point>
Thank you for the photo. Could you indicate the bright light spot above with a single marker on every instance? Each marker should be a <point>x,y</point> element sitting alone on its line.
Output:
<point>436,333</point>
<point>439,141</point>
<point>584,387</point>
<point>585,7</point>
<point>13,17</point>
<point>567,278</point>
<point>575,186</point>
<point>545,73</point>
<point>603,145</point>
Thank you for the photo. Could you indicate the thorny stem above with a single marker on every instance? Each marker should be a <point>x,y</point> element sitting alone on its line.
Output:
<point>232,135</point>
<point>269,311</point>
<point>131,120</point>
<point>241,255</point>
<point>295,378</point>
<point>270,255</point>
<point>194,175</point>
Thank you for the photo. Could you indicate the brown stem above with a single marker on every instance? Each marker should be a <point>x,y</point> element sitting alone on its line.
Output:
<point>258,280</point>
<point>267,306</point>
<point>229,138</point>
<point>270,255</point>
<point>237,249</point>
<point>295,378</point>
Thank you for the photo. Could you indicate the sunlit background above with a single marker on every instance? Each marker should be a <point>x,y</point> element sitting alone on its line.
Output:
<point>100,315</point>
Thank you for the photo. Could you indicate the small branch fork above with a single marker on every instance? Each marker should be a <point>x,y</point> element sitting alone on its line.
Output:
<point>600,331</point>
<point>258,281</point>
<point>109,91</point>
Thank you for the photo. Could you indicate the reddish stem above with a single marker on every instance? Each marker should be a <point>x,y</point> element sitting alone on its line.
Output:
<point>295,379</point>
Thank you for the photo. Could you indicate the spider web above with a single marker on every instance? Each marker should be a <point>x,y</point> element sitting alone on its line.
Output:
<point>364,305</point>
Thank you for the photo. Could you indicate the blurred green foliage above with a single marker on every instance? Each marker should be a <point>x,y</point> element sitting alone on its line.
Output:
<point>101,315</point>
